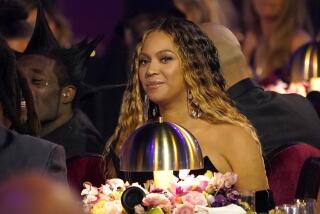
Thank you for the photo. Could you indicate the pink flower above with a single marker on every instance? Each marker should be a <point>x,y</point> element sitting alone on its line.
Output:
<point>105,189</point>
<point>202,182</point>
<point>184,209</point>
<point>230,179</point>
<point>216,182</point>
<point>175,189</point>
<point>90,193</point>
<point>156,199</point>
<point>195,198</point>
<point>116,183</point>
<point>181,187</point>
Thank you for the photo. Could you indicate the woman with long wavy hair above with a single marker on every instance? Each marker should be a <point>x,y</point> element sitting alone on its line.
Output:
<point>274,30</point>
<point>176,74</point>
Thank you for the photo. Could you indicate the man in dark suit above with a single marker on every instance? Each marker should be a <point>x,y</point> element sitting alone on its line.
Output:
<point>18,152</point>
<point>279,119</point>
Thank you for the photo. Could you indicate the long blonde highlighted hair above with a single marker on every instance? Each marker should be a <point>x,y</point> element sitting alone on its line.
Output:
<point>277,49</point>
<point>202,76</point>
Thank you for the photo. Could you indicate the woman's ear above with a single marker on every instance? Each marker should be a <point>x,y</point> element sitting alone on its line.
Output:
<point>68,94</point>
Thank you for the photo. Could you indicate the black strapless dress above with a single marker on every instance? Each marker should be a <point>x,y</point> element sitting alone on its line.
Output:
<point>264,198</point>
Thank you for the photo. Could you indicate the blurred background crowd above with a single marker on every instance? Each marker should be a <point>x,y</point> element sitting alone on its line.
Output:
<point>280,40</point>
<point>275,37</point>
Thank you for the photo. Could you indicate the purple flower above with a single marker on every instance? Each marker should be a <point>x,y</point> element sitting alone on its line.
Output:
<point>233,195</point>
<point>219,201</point>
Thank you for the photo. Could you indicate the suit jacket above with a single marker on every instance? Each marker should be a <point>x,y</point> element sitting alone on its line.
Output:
<point>23,153</point>
<point>279,119</point>
<point>78,136</point>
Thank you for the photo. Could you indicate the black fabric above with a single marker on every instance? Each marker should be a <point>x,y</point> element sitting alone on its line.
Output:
<point>309,180</point>
<point>23,153</point>
<point>264,198</point>
<point>278,118</point>
<point>78,136</point>
<point>264,201</point>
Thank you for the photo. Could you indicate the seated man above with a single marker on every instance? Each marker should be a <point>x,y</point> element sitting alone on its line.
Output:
<point>54,75</point>
<point>22,152</point>
<point>279,119</point>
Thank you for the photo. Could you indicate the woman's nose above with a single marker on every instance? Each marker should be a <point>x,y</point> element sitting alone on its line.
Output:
<point>152,69</point>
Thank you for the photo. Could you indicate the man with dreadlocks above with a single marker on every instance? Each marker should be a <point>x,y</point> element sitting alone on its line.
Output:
<point>20,153</point>
<point>54,75</point>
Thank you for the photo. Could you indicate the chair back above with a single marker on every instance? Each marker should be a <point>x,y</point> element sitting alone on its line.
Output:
<point>85,168</point>
<point>283,170</point>
<point>309,180</point>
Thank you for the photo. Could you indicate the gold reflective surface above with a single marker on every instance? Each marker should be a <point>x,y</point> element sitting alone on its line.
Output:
<point>160,146</point>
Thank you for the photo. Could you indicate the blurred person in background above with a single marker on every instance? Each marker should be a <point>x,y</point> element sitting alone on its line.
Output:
<point>217,11</point>
<point>274,30</point>
<point>13,26</point>
<point>32,193</point>
<point>279,119</point>
<point>20,153</point>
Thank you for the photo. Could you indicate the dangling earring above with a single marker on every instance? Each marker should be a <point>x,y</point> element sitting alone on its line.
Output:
<point>194,106</point>
<point>154,111</point>
<point>146,106</point>
<point>150,108</point>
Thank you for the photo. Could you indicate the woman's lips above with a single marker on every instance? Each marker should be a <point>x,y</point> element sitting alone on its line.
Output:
<point>154,84</point>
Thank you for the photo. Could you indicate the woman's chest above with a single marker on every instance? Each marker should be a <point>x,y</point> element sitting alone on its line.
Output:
<point>215,148</point>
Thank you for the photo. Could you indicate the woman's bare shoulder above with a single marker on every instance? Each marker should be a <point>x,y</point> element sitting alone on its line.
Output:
<point>231,136</point>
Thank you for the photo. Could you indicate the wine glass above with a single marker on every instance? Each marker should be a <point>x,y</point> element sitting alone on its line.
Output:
<point>306,206</point>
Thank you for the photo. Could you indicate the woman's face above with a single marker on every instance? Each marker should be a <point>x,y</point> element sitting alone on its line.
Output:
<point>160,71</point>
<point>268,8</point>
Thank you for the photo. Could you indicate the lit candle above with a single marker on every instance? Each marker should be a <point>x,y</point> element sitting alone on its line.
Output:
<point>315,84</point>
<point>162,179</point>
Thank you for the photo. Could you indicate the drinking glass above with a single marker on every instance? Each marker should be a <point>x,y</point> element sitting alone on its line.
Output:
<point>247,200</point>
<point>306,206</point>
<point>291,209</point>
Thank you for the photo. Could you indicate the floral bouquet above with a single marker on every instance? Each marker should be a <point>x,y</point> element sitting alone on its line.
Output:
<point>184,195</point>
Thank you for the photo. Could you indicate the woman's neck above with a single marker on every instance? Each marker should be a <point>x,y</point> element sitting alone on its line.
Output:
<point>267,26</point>
<point>176,113</point>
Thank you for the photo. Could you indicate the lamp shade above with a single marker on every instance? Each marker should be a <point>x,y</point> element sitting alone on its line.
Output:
<point>304,64</point>
<point>160,146</point>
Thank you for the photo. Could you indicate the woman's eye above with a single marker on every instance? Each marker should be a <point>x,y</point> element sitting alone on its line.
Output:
<point>143,61</point>
<point>165,59</point>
